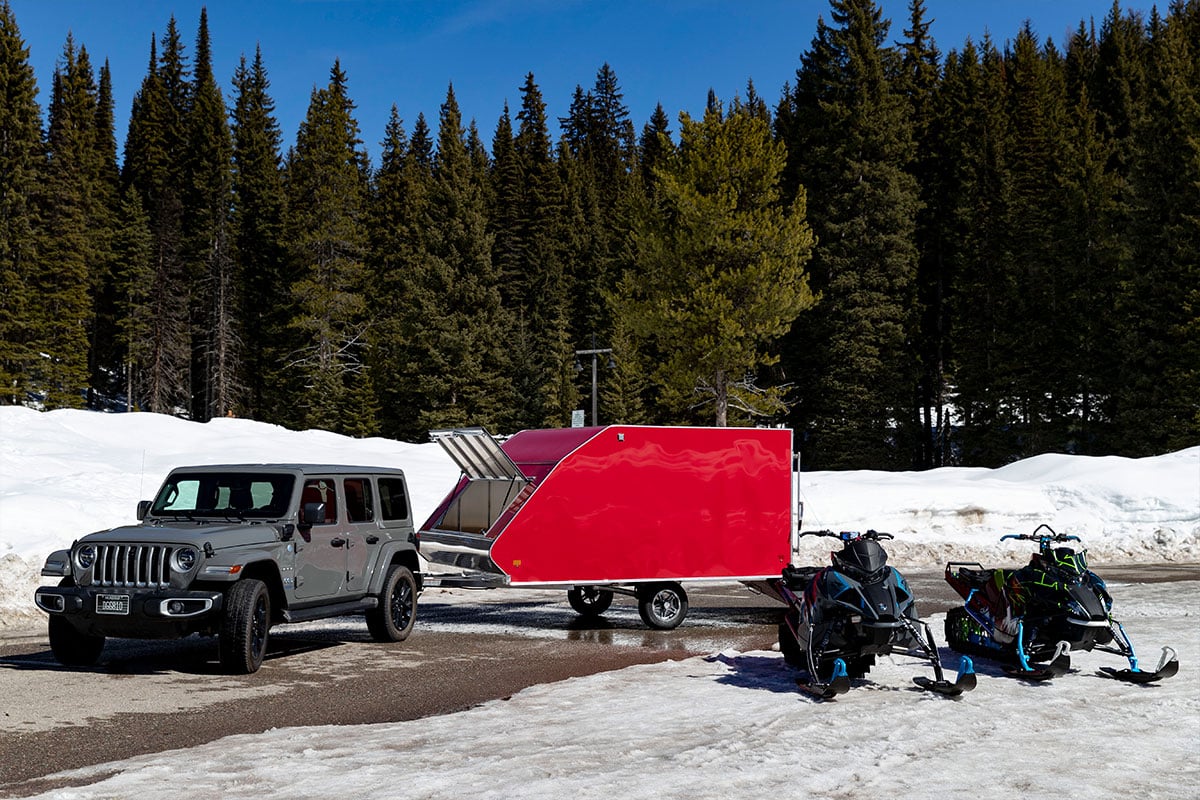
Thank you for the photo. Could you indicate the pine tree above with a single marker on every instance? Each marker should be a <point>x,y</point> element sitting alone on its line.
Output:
<point>61,284</point>
<point>541,278</point>
<point>851,144</point>
<point>722,266</point>
<point>598,153</point>
<point>399,207</point>
<point>977,196</point>
<point>1093,246</point>
<point>152,167</point>
<point>655,146</point>
<point>1156,398</point>
<point>105,366</point>
<point>1042,325</point>
<point>20,160</point>
<point>133,248</point>
<point>919,81</point>
<point>397,190</point>
<point>326,233</point>
<point>217,386</point>
<point>504,214</point>
<point>257,186</point>
<point>456,328</point>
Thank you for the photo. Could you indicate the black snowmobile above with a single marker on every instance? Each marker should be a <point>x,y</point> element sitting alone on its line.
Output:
<point>841,616</point>
<point>1041,612</point>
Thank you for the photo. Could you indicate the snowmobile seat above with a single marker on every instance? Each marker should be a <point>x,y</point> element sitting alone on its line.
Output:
<point>975,578</point>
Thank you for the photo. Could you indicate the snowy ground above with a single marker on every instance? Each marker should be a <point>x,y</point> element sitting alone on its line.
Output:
<point>711,727</point>
<point>733,725</point>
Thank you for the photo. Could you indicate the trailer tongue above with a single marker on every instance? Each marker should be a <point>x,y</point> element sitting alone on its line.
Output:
<point>615,509</point>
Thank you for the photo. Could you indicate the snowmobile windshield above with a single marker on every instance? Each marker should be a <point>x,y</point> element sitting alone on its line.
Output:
<point>1070,561</point>
<point>861,559</point>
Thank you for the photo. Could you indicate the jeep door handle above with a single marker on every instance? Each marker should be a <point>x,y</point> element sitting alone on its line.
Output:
<point>372,539</point>
<point>337,542</point>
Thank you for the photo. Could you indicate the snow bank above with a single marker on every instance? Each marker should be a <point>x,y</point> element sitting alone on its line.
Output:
<point>67,473</point>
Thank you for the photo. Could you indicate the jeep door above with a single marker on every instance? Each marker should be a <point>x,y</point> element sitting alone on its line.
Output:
<point>362,534</point>
<point>321,549</point>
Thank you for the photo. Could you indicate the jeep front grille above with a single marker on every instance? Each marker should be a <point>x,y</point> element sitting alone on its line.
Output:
<point>132,565</point>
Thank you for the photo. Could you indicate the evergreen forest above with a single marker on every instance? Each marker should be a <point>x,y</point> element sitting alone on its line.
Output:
<point>912,257</point>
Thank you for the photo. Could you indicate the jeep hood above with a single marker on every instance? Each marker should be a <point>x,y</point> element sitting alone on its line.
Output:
<point>219,534</point>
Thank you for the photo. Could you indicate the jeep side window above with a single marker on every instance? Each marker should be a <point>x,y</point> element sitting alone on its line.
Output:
<point>360,506</point>
<point>321,490</point>
<point>393,502</point>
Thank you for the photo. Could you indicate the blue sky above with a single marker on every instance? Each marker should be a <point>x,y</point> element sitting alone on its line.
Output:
<point>406,52</point>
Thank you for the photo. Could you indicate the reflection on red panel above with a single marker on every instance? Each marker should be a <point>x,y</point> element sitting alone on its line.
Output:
<point>625,503</point>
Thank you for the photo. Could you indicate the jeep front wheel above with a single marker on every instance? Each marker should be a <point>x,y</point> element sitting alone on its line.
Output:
<point>392,620</point>
<point>243,639</point>
<point>71,647</point>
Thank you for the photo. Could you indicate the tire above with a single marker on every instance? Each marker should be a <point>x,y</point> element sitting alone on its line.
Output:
<point>70,647</point>
<point>662,605</point>
<point>589,601</point>
<point>393,619</point>
<point>245,627</point>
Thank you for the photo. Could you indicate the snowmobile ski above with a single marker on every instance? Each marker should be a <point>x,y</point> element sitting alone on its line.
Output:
<point>1168,665</point>
<point>1060,665</point>
<point>839,683</point>
<point>964,683</point>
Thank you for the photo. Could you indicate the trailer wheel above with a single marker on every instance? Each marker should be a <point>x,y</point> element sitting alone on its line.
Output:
<point>662,605</point>
<point>589,601</point>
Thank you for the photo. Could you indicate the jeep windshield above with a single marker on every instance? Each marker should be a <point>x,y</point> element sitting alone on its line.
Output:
<point>227,495</point>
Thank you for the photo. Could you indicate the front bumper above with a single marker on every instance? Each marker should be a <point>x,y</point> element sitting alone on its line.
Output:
<point>133,613</point>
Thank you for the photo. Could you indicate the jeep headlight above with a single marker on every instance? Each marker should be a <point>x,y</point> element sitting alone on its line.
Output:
<point>185,559</point>
<point>85,556</point>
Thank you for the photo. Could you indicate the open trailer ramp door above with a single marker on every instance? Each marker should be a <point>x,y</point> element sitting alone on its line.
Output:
<point>478,454</point>
<point>461,531</point>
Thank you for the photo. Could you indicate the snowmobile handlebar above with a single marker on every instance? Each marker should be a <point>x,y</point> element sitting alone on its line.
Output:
<point>1043,539</point>
<point>1033,537</point>
<point>850,536</point>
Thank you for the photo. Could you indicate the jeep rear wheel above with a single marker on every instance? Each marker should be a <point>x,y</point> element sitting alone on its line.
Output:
<point>70,646</point>
<point>392,620</point>
<point>243,639</point>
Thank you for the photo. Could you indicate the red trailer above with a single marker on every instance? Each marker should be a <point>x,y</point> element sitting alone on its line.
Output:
<point>617,508</point>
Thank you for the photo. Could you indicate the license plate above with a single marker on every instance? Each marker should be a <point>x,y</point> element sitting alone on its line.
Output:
<point>112,604</point>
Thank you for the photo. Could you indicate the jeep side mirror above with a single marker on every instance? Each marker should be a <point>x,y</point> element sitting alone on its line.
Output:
<point>312,514</point>
<point>143,509</point>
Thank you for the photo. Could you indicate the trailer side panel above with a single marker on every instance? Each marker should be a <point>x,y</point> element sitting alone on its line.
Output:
<point>649,503</point>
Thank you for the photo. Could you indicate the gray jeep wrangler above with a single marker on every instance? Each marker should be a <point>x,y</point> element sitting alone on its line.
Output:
<point>232,550</point>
